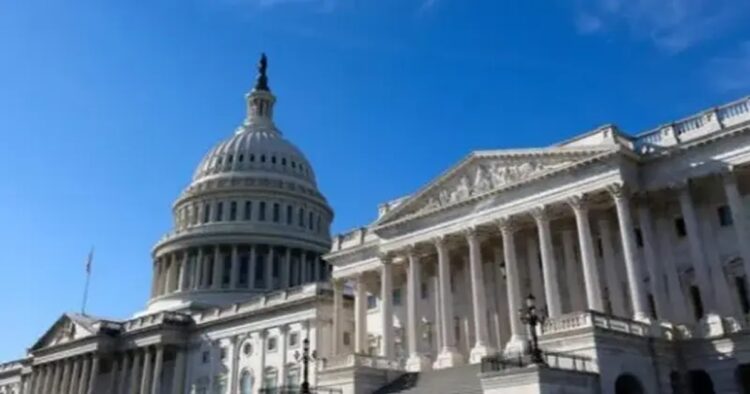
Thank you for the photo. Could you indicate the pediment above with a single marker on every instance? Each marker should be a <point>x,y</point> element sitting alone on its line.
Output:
<point>486,172</point>
<point>68,328</point>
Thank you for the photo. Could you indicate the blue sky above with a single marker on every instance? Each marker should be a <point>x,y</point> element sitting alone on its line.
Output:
<point>106,107</point>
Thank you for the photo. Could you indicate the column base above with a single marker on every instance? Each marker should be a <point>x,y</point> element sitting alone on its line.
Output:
<point>448,358</point>
<point>418,363</point>
<point>518,345</point>
<point>480,351</point>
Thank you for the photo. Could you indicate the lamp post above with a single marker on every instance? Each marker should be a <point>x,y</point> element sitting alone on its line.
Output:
<point>530,317</point>
<point>305,357</point>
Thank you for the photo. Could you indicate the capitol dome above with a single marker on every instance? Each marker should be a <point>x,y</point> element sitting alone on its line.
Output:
<point>251,221</point>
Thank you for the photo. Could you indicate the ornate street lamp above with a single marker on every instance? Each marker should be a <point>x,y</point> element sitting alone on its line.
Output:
<point>531,318</point>
<point>305,357</point>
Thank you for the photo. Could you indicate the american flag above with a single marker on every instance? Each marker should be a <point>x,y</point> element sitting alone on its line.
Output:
<point>89,260</point>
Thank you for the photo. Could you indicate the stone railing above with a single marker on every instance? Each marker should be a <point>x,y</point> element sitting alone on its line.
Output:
<point>264,301</point>
<point>591,319</point>
<point>11,367</point>
<point>565,361</point>
<point>695,126</point>
<point>359,360</point>
<point>155,319</point>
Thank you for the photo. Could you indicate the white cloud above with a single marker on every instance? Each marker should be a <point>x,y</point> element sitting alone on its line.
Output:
<point>672,25</point>
<point>731,72</point>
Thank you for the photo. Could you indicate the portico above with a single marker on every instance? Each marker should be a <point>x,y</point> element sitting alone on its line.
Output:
<point>593,224</point>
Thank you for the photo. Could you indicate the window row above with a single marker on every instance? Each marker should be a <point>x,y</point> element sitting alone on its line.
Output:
<point>251,210</point>
<point>229,161</point>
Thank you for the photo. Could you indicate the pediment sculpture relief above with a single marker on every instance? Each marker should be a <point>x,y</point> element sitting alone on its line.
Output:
<point>483,178</point>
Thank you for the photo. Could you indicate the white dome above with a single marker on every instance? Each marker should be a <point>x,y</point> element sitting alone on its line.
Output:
<point>251,221</point>
<point>255,148</point>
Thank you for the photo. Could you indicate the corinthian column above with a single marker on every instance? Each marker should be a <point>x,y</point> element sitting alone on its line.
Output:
<point>739,221</point>
<point>158,365</point>
<point>338,309</point>
<point>94,375</point>
<point>146,374</point>
<point>517,343</point>
<point>549,266</point>
<point>386,307</point>
<point>697,256</point>
<point>590,270</point>
<point>482,346</point>
<point>360,316</point>
<point>632,267</point>
<point>416,361</point>
<point>218,268</point>
<point>449,355</point>
<point>653,266</point>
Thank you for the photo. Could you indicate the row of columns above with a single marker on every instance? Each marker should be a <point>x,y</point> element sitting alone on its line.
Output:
<point>671,305</point>
<point>182,271</point>
<point>140,371</point>
<point>195,214</point>
<point>75,375</point>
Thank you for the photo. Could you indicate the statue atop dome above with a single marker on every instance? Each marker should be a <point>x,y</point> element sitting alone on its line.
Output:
<point>262,82</point>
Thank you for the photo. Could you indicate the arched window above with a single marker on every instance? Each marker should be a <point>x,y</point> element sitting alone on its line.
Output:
<point>246,382</point>
<point>292,376</point>
<point>628,384</point>
<point>700,382</point>
<point>270,378</point>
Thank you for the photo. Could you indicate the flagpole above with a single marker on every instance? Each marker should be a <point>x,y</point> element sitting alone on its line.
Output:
<point>88,278</point>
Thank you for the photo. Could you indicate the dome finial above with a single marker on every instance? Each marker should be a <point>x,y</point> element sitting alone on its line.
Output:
<point>262,82</point>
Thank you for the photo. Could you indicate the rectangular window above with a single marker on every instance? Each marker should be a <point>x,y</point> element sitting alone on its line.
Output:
<point>233,211</point>
<point>638,238</point>
<point>262,211</point>
<point>227,273</point>
<point>679,227</point>
<point>397,297</point>
<point>244,268</point>
<point>695,296</point>
<point>301,217</point>
<point>347,338</point>
<point>599,247</point>
<point>424,290</point>
<point>260,270</point>
<point>248,210</point>
<point>310,221</point>
<point>289,214</point>
<point>219,211</point>
<point>206,213</point>
<point>725,216</point>
<point>293,339</point>
<point>372,302</point>
<point>276,212</point>
<point>742,293</point>
<point>272,344</point>
<point>206,357</point>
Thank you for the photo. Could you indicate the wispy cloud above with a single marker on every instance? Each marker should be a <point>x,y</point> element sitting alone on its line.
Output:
<point>672,25</point>
<point>731,72</point>
<point>321,5</point>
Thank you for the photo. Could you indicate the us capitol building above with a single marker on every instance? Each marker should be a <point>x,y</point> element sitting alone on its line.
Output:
<point>625,254</point>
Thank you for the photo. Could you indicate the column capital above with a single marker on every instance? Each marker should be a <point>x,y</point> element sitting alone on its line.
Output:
<point>507,225</point>
<point>679,185</point>
<point>471,233</point>
<point>540,213</point>
<point>728,176</point>
<point>619,191</point>
<point>439,241</point>
<point>385,258</point>
<point>579,202</point>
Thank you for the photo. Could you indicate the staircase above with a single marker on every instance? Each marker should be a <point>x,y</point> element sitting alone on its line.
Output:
<point>458,380</point>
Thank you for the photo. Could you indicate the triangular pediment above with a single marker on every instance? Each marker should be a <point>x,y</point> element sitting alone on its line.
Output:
<point>69,327</point>
<point>486,172</point>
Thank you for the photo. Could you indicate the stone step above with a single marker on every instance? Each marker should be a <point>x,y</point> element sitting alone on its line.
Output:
<point>458,380</point>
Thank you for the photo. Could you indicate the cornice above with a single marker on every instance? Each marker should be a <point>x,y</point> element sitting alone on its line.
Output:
<point>603,155</point>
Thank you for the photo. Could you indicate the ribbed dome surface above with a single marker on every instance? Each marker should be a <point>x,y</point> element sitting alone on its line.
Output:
<point>255,148</point>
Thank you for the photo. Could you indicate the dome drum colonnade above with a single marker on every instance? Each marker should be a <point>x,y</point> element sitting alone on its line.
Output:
<point>252,220</point>
<point>601,290</point>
